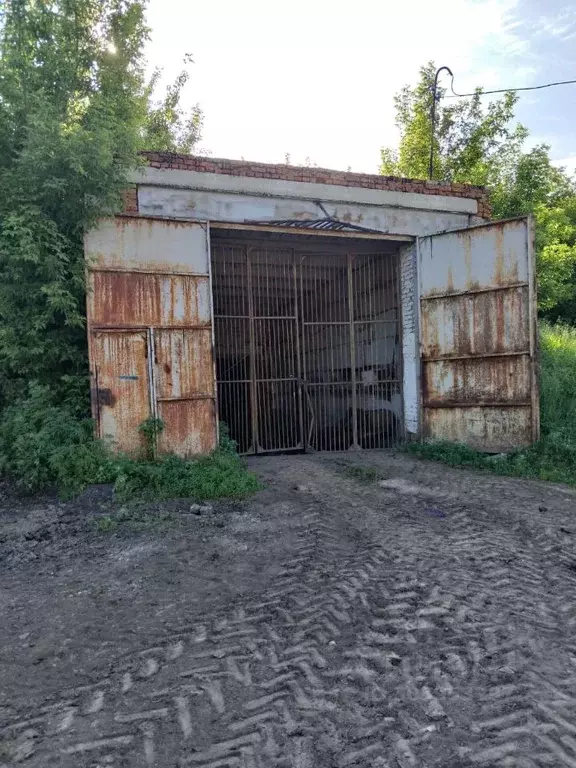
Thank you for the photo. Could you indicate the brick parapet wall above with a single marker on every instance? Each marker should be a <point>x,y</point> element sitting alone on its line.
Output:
<point>130,200</point>
<point>170,161</point>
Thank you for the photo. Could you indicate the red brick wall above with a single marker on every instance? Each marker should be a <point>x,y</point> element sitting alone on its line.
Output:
<point>130,200</point>
<point>167,160</point>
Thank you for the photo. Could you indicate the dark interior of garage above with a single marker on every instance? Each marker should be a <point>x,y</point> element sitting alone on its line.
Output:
<point>307,340</point>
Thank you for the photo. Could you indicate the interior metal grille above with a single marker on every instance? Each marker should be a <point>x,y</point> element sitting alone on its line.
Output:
<point>308,347</point>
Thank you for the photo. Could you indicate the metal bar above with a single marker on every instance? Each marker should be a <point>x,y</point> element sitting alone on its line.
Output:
<point>143,329</point>
<point>355,444</point>
<point>213,348</point>
<point>298,361</point>
<point>499,404</point>
<point>400,344</point>
<point>473,291</point>
<point>345,383</point>
<point>307,435</point>
<point>312,232</point>
<point>96,405</point>
<point>195,396</point>
<point>252,344</point>
<point>448,358</point>
<point>152,372</point>
<point>533,321</point>
<point>344,323</point>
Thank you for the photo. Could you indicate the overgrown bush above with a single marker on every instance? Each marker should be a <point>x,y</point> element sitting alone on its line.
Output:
<point>553,457</point>
<point>211,477</point>
<point>44,443</point>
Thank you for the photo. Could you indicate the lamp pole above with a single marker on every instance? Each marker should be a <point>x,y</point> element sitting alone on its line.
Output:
<point>433,118</point>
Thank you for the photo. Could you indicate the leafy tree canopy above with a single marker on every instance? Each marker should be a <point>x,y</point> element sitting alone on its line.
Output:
<point>478,144</point>
<point>75,108</point>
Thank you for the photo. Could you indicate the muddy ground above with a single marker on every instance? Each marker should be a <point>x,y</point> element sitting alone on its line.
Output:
<point>367,611</point>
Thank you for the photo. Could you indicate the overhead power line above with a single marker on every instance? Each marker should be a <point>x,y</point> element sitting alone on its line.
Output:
<point>455,95</point>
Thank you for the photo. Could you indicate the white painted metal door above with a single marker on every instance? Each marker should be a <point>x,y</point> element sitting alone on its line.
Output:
<point>478,336</point>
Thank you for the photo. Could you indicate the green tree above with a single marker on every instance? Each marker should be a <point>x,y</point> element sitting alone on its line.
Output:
<point>480,145</point>
<point>168,126</point>
<point>469,139</point>
<point>71,112</point>
<point>75,109</point>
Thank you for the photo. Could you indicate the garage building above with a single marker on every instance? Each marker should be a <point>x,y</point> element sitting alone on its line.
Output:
<point>309,309</point>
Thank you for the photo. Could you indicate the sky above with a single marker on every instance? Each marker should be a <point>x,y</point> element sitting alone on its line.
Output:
<point>315,79</point>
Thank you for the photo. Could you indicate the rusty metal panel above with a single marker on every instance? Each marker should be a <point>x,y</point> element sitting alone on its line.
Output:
<point>134,243</point>
<point>477,336</point>
<point>120,387</point>
<point>478,258</point>
<point>135,299</point>
<point>477,381</point>
<point>183,363</point>
<point>476,324</point>
<point>189,426</point>
<point>495,430</point>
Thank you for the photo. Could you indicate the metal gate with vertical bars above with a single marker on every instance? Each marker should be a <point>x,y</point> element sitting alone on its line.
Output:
<point>307,345</point>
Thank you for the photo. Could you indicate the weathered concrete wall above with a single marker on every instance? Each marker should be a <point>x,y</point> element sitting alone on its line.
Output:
<point>404,218</point>
<point>323,176</point>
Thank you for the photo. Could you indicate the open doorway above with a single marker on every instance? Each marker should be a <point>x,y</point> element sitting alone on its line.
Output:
<point>307,341</point>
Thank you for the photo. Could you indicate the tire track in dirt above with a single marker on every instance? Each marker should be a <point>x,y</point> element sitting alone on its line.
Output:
<point>390,638</point>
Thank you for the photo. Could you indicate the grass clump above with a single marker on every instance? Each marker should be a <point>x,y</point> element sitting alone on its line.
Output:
<point>210,477</point>
<point>43,444</point>
<point>553,457</point>
<point>362,474</point>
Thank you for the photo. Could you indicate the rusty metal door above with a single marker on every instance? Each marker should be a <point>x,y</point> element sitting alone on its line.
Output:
<point>150,319</point>
<point>121,392</point>
<point>478,336</point>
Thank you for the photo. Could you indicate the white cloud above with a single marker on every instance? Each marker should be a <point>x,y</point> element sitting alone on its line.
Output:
<point>316,78</point>
<point>569,163</point>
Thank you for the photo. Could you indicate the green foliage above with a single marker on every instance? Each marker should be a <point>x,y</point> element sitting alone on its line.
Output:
<point>106,524</point>
<point>469,139</point>
<point>135,516</point>
<point>74,111</point>
<point>211,477</point>
<point>43,444</point>
<point>71,110</point>
<point>554,456</point>
<point>151,429</point>
<point>168,126</point>
<point>479,145</point>
<point>361,473</point>
<point>225,442</point>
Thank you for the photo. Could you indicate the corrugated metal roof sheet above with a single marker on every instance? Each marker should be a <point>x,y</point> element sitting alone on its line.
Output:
<point>327,224</point>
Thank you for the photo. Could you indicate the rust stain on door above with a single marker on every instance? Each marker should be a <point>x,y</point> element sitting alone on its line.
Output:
<point>133,299</point>
<point>183,363</point>
<point>189,426</point>
<point>120,388</point>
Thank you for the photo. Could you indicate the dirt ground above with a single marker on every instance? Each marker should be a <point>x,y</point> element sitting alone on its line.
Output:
<point>359,611</point>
